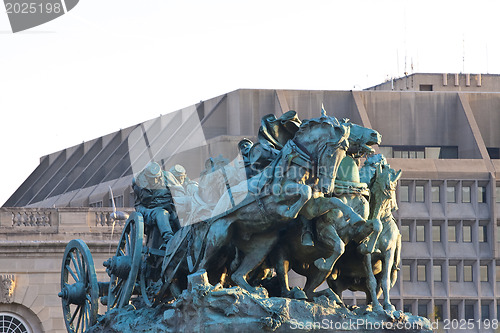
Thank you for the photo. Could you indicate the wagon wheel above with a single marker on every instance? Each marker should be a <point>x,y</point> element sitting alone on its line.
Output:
<point>150,285</point>
<point>124,265</point>
<point>79,287</point>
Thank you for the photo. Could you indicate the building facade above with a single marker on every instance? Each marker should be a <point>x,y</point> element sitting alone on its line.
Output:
<point>446,142</point>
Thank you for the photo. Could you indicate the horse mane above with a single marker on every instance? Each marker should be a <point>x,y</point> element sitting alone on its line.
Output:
<point>323,120</point>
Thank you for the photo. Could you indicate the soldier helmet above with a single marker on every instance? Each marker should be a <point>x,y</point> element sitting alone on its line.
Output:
<point>178,170</point>
<point>153,170</point>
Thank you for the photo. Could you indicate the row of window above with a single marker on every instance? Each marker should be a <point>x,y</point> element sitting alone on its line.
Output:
<point>454,271</point>
<point>118,202</point>
<point>417,193</point>
<point>430,152</point>
<point>457,309</point>
<point>456,232</point>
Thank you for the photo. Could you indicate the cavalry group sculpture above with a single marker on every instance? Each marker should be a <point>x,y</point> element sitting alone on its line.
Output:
<point>297,199</point>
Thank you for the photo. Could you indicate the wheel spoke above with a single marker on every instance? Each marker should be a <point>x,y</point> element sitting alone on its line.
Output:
<point>82,265</point>
<point>85,319</point>
<point>127,244</point>
<point>79,320</point>
<point>77,268</point>
<point>74,314</point>
<point>72,273</point>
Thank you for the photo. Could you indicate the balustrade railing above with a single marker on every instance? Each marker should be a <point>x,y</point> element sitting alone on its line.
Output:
<point>20,219</point>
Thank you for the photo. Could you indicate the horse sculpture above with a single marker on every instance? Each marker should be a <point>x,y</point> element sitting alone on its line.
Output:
<point>295,183</point>
<point>379,269</point>
<point>333,230</point>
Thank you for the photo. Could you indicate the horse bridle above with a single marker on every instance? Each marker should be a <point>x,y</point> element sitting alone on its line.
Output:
<point>315,160</point>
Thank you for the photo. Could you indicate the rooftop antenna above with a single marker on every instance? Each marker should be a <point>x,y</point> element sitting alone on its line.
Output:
<point>463,53</point>
<point>487,65</point>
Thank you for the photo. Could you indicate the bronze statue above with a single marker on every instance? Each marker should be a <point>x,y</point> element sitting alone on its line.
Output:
<point>296,199</point>
<point>153,200</point>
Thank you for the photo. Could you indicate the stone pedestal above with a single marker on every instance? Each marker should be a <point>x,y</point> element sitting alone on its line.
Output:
<point>203,308</point>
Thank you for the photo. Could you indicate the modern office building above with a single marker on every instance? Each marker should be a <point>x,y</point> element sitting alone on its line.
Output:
<point>440,129</point>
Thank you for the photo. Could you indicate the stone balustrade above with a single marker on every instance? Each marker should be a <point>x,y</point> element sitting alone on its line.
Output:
<point>67,220</point>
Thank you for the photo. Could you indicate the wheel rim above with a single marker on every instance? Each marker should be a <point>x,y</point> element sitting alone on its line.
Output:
<point>79,288</point>
<point>124,266</point>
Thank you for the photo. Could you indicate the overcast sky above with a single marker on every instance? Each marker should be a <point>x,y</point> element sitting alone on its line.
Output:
<point>110,64</point>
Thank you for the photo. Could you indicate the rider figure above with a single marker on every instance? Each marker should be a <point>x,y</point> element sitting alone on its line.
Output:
<point>154,200</point>
<point>179,183</point>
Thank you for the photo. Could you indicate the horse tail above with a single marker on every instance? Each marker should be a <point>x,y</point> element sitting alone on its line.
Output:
<point>397,258</point>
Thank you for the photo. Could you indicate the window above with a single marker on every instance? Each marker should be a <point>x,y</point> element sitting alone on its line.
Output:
<point>494,152</point>
<point>483,272</point>
<point>407,308</point>
<point>435,192</point>
<point>436,233</point>
<point>467,234</point>
<point>469,311</point>
<point>498,233</point>
<point>438,312</point>
<point>406,273</point>
<point>419,193</point>
<point>420,233</point>
<point>466,194</point>
<point>452,273</point>
<point>118,201</point>
<point>438,276</point>
<point>482,234</point>
<point>468,273</point>
<point>405,233</point>
<point>403,193</point>
<point>421,273</point>
<point>481,194</point>
<point>497,273</point>
<point>97,204</point>
<point>422,310</point>
<point>452,233</point>
<point>454,311</point>
<point>426,87</point>
<point>485,311</point>
<point>450,194</point>
<point>497,194</point>
<point>10,323</point>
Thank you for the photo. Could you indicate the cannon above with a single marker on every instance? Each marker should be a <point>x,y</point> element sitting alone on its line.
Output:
<point>131,271</point>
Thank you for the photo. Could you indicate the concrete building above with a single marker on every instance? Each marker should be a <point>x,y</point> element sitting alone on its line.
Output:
<point>444,138</point>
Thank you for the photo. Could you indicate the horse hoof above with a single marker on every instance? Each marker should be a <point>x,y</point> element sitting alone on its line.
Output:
<point>322,265</point>
<point>378,308</point>
<point>297,293</point>
<point>389,308</point>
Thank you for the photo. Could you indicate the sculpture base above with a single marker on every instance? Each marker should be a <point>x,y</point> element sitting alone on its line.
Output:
<point>204,308</point>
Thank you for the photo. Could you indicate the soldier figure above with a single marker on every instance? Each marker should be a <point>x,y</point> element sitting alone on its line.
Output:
<point>154,200</point>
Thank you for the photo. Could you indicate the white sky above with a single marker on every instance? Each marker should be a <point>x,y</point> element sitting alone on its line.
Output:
<point>110,64</point>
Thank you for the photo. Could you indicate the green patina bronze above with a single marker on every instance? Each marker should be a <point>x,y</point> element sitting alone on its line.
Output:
<point>222,247</point>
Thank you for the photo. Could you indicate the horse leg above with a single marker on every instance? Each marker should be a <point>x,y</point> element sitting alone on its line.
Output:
<point>218,236</point>
<point>371,283</point>
<point>386,280</point>
<point>321,205</point>
<point>254,256</point>
<point>368,246</point>
<point>337,286</point>
<point>293,189</point>
<point>315,278</point>
<point>329,236</point>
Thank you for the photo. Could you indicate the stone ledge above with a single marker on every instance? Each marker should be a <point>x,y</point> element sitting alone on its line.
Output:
<point>205,308</point>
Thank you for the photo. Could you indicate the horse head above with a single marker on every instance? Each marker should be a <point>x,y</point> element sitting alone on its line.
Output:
<point>384,186</point>
<point>326,141</point>
<point>361,139</point>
